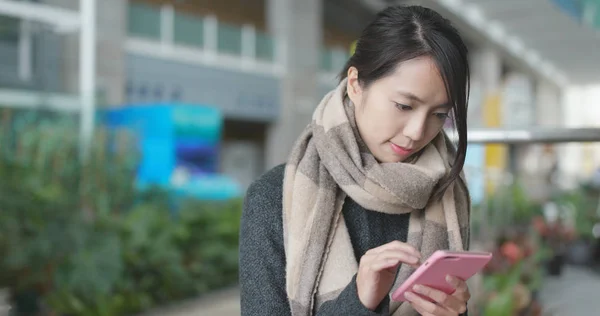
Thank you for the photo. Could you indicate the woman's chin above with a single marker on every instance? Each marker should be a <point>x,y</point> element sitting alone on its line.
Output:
<point>390,158</point>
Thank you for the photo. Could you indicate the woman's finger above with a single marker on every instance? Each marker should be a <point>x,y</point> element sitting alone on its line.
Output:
<point>448,301</point>
<point>427,306</point>
<point>391,259</point>
<point>396,245</point>
<point>399,255</point>
<point>420,310</point>
<point>404,247</point>
<point>384,264</point>
<point>462,289</point>
<point>458,284</point>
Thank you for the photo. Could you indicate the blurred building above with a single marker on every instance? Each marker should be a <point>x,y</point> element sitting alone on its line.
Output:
<point>267,63</point>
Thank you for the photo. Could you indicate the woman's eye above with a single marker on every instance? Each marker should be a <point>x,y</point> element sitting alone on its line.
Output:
<point>404,107</point>
<point>442,116</point>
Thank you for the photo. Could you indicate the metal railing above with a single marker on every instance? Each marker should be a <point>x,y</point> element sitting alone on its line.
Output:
<point>515,191</point>
<point>211,39</point>
<point>184,35</point>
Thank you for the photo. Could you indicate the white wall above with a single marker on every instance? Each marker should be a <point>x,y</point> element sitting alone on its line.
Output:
<point>581,108</point>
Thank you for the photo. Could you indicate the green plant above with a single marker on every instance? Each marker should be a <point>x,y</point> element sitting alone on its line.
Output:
<point>583,202</point>
<point>211,235</point>
<point>524,209</point>
<point>80,239</point>
<point>500,286</point>
<point>163,259</point>
<point>510,205</point>
<point>50,239</point>
<point>514,273</point>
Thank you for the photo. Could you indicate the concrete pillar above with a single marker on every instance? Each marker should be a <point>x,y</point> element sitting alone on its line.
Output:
<point>483,163</point>
<point>110,63</point>
<point>549,112</point>
<point>486,72</point>
<point>296,26</point>
<point>112,34</point>
<point>486,65</point>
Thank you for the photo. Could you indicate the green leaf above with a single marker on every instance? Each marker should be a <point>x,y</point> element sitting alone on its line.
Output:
<point>500,305</point>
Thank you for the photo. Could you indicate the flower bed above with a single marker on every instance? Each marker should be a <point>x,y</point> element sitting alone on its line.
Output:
<point>513,277</point>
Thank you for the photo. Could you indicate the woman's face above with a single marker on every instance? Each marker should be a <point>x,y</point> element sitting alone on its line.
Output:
<point>400,114</point>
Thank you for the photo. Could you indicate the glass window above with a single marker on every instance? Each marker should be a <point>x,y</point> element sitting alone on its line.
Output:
<point>229,39</point>
<point>144,20</point>
<point>189,30</point>
<point>265,48</point>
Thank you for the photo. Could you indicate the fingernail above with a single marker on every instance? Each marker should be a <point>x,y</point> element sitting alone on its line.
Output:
<point>409,295</point>
<point>449,279</point>
<point>417,288</point>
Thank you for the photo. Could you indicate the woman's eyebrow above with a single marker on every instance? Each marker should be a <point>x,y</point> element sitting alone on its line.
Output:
<point>410,96</point>
<point>414,97</point>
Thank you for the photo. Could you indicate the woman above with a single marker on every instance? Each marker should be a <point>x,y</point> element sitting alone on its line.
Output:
<point>372,187</point>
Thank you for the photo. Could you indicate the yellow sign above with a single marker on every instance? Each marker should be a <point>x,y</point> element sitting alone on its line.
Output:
<point>495,154</point>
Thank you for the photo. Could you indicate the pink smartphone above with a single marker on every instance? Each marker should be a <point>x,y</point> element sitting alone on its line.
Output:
<point>433,272</point>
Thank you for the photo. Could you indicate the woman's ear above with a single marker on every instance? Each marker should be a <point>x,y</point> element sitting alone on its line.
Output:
<point>353,86</point>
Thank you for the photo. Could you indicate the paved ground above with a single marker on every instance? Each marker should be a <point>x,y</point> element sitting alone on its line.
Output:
<point>575,293</point>
<point>225,303</point>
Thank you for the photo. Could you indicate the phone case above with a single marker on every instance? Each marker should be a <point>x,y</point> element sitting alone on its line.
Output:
<point>441,263</point>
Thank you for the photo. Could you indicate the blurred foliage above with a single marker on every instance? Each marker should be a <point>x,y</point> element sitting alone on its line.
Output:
<point>511,205</point>
<point>526,247</point>
<point>514,275</point>
<point>79,239</point>
<point>507,206</point>
<point>583,203</point>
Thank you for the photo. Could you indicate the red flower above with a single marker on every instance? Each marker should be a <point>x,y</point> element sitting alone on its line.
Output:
<point>511,251</point>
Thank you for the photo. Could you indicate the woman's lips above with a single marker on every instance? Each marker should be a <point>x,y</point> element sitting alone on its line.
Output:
<point>402,151</point>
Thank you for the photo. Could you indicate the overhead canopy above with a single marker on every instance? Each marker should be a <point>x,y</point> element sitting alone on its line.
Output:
<point>556,39</point>
<point>64,20</point>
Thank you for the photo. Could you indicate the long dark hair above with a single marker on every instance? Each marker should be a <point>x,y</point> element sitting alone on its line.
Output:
<point>400,33</point>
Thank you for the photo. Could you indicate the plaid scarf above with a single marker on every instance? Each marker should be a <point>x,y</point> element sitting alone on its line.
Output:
<point>329,162</point>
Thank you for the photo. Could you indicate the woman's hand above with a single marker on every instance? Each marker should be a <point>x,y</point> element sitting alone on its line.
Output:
<point>447,305</point>
<point>377,271</point>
